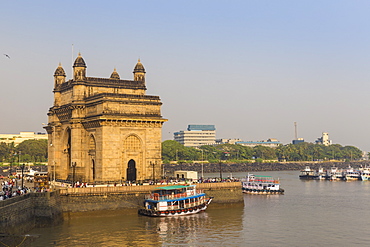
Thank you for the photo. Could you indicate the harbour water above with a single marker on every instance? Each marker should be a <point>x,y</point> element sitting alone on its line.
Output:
<point>310,213</point>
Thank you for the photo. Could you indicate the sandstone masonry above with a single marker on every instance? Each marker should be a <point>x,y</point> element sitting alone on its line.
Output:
<point>103,129</point>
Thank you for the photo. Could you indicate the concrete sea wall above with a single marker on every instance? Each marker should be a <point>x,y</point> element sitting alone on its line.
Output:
<point>111,198</point>
<point>22,213</point>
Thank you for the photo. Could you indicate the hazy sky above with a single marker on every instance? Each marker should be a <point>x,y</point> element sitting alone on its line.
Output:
<point>251,68</point>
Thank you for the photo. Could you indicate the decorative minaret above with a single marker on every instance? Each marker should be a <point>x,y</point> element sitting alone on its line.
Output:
<point>59,76</point>
<point>115,75</point>
<point>79,69</point>
<point>139,72</point>
<point>59,79</point>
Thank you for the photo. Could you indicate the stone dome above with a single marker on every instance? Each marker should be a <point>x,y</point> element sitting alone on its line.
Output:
<point>60,71</point>
<point>114,75</point>
<point>79,62</point>
<point>139,67</point>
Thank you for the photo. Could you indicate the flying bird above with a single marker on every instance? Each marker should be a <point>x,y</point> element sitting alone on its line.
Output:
<point>7,55</point>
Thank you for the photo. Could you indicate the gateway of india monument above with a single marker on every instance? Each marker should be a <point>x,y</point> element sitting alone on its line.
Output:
<point>103,129</point>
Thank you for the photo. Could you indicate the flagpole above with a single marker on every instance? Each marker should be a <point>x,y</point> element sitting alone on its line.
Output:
<point>72,62</point>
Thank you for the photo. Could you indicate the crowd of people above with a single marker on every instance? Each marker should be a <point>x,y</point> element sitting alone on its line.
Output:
<point>9,189</point>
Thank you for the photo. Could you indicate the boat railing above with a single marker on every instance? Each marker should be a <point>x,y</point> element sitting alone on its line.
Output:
<point>157,197</point>
<point>264,181</point>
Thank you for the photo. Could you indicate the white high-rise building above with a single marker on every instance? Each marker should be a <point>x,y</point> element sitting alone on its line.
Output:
<point>196,135</point>
<point>324,139</point>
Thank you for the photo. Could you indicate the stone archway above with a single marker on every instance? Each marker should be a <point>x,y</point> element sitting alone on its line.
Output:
<point>132,147</point>
<point>131,170</point>
<point>92,154</point>
<point>66,172</point>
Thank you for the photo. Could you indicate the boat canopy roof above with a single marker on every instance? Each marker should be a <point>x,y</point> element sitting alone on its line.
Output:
<point>174,187</point>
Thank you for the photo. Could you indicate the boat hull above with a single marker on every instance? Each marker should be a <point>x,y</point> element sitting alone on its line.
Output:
<point>309,176</point>
<point>262,192</point>
<point>177,212</point>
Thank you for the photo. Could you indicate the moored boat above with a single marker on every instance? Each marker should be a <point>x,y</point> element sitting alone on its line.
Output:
<point>365,173</point>
<point>175,200</point>
<point>321,173</point>
<point>256,184</point>
<point>308,173</point>
<point>351,174</point>
<point>334,174</point>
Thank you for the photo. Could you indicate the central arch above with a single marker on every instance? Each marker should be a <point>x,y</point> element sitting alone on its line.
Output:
<point>131,170</point>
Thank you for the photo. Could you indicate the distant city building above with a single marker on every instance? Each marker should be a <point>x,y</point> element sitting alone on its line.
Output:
<point>365,155</point>
<point>228,141</point>
<point>298,140</point>
<point>324,139</point>
<point>22,136</point>
<point>272,143</point>
<point>196,135</point>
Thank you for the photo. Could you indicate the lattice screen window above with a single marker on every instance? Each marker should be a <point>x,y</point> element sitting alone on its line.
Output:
<point>132,143</point>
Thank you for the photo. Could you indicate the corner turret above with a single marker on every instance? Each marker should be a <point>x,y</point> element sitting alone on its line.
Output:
<point>59,76</point>
<point>79,69</point>
<point>139,72</point>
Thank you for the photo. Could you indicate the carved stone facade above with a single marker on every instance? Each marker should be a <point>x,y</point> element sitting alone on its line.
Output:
<point>103,129</point>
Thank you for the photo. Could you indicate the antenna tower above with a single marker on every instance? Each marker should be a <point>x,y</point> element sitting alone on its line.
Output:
<point>295,131</point>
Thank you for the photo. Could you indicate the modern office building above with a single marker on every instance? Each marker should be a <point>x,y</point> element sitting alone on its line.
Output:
<point>22,136</point>
<point>196,135</point>
<point>272,143</point>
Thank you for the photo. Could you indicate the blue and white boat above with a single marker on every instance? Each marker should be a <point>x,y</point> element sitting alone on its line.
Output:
<point>175,200</point>
<point>257,184</point>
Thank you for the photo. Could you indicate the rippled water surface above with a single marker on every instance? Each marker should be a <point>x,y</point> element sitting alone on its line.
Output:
<point>311,213</point>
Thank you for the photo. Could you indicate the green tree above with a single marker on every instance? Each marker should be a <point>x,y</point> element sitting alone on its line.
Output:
<point>6,151</point>
<point>264,153</point>
<point>36,150</point>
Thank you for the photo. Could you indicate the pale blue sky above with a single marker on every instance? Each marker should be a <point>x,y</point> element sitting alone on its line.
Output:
<point>252,68</point>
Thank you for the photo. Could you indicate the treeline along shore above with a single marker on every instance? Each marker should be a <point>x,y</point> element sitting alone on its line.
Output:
<point>226,168</point>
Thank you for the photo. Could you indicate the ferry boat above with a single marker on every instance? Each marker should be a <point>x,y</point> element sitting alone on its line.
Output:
<point>175,200</point>
<point>365,173</point>
<point>351,174</point>
<point>334,174</point>
<point>321,172</point>
<point>308,173</point>
<point>256,184</point>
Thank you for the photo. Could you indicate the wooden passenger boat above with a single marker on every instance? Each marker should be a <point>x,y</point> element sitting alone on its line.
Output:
<point>174,201</point>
